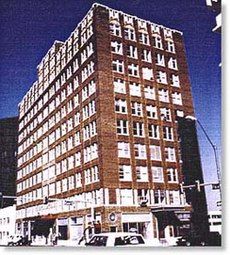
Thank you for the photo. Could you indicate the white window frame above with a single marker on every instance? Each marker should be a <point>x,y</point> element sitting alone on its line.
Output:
<point>155,152</point>
<point>138,129</point>
<point>122,127</point>
<point>125,173</point>
<point>157,174</point>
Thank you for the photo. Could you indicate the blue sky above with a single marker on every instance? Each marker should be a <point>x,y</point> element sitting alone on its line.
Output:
<point>28,29</point>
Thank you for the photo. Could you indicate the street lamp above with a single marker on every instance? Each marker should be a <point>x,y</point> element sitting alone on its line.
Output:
<point>214,147</point>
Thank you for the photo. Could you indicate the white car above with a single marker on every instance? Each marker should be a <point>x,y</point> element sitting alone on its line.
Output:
<point>116,239</point>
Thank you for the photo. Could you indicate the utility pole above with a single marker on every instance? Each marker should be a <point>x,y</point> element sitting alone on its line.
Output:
<point>215,150</point>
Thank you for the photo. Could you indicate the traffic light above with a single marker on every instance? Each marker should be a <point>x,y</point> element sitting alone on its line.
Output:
<point>45,200</point>
<point>181,188</point>
<point>197,185</point>
<point>215,186</point>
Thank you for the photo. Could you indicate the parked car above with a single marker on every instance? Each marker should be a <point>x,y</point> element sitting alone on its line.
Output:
<point>192,240</point>
<point>116,239</point>
<point>212,239</point>
<point>18,240</point>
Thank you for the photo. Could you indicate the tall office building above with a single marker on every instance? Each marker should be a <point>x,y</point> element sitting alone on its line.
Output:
<point>8,159</point>
<point>98,131</point>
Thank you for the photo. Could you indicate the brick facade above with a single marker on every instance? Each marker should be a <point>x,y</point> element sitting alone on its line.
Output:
<point>99,178</point>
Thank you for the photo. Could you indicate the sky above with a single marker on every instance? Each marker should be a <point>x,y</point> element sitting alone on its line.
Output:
<point>28,29</point>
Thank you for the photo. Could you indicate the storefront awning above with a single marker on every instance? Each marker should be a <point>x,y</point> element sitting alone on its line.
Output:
<point>166,218</point>
<point>42,227</point>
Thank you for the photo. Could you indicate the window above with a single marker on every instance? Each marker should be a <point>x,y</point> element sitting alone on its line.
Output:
<point>130,34</point>
<point>135,89</point>
<point>115,29</point>
<point>157,174</point>
<point>132,51</point>
<point>160,59</point>
<point>116,47</point>
<point>138,129</point>
<point>146,56</point>
<point>161,77</point>
<point>77,139</point>
<point>174,197</point>
<point>88,90</point>
<point>155,152</point>
<point>149,92</point>
<point>176,98</point>
<point>90,152</point>
<point>122,127</point>
<point>71,182</point>
<point>89,131</point>
<point>157,42</point>
<point>140,151</point>
<point>151,111</point>
<point>120,105</point>
<point>172,63</point>
<point>172,175</point>
<point>78,180</point>
<point>170,155</point>
<point>78,159</point>
<point>87,71</point>
<point>136,108</point>
<point>175,82</point>
<point>142,174</point>
<point>119,86</point>
<point>87,176</point>
<point>154,131</point>
<point>125,173</point>
<point>144,38</point>
<point>126,196</point>
<point>159,197</point>
<point>165,114</point>
<point>147,73</point>
<point>133,70</point>
<point>168,133</point>
<point>95,174</point>
<point>171,46</point>
<point>163,95</point>
<point>89,110</point>
<point>123,150</point>
<point>118,66</point>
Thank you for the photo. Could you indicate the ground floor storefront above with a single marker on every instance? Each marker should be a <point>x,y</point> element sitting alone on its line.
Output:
<point>77,226</point>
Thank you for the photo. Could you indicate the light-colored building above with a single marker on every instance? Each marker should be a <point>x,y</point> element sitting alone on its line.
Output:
<point>215,6</point>
<point>215,221</point>
<point>7,223</point>
<point>98,131</point>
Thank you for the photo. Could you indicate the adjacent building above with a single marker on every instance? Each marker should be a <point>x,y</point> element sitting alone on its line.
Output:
<point>7,223</point>
<point>98,131</point>
<point>215,6</point>
<point>8,159</point>
<point>215,221</point>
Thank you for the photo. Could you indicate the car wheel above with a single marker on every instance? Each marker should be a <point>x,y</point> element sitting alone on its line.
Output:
<point>188,243</point>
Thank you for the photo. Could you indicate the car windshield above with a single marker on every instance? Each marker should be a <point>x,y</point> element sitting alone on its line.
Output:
<point>98,241</point>
<point>129,240</point>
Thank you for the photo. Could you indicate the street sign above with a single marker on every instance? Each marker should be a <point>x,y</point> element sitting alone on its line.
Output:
<point>68,202</point>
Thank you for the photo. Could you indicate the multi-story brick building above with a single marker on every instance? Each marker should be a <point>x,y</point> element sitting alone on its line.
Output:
<point>100,126</point>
